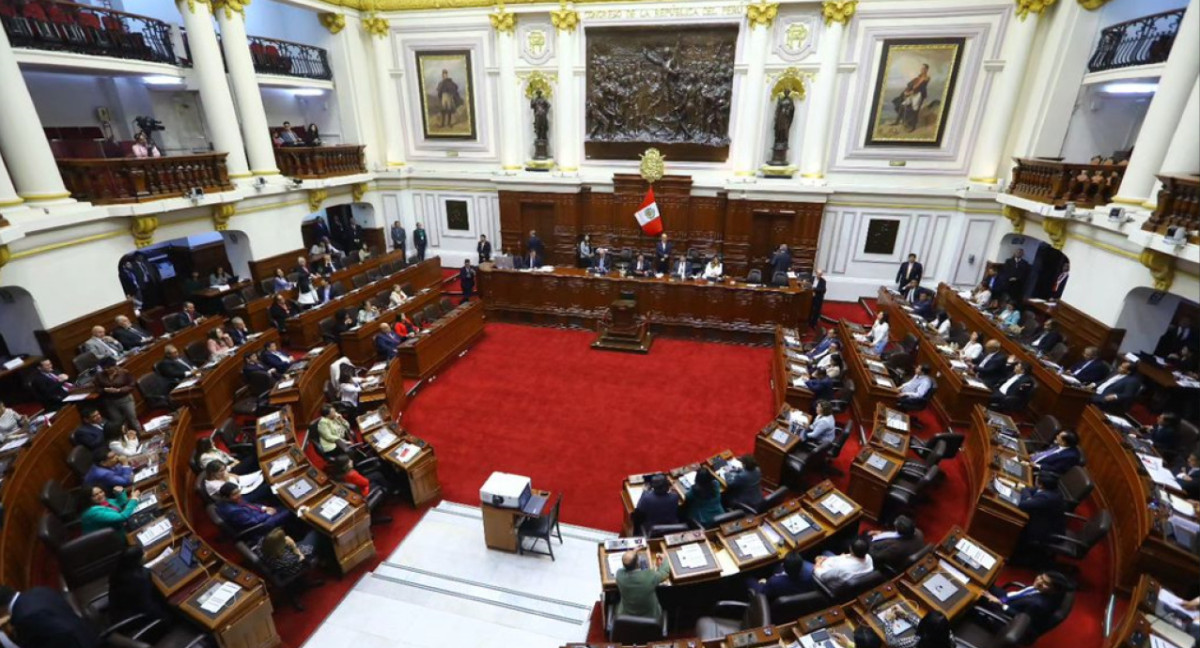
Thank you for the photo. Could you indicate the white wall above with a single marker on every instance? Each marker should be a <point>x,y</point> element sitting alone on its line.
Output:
<point>283,104</point>
<point>428,207</point>
<point>1144,322</point>
<point>263,18</point>
<point>1103,123</point>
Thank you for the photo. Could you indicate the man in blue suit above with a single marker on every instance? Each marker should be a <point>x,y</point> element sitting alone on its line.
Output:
<point>1039,601</point>
<point>1091,369</point>
<point>658,504</point>
<point>42,617</point>
<point>662,253</point>
<point>387,342</point>
<point>276,359</point>
<point>1117,392</point>
<point>90,433</point>
<point>241,515</point>
<point>1061,457</point>
<point>1045,341</point>
<point>1046,510</point>
<point>992,365</point>
<point>106,471</point>
<point>821,385</point>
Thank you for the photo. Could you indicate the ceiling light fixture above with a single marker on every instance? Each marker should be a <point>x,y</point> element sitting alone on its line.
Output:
<point>1129,88</point>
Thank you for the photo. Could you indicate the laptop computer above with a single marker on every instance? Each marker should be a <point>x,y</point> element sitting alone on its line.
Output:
<point>179,564</point>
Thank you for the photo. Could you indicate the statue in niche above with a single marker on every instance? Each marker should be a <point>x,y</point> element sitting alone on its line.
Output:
<point>541,125</point>
<point>785,111</point>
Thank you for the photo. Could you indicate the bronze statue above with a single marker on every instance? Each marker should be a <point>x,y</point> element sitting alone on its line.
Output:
<point>785,110</point>
<point>541,125</point>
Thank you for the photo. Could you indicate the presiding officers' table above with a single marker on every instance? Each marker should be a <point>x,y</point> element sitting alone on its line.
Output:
<point>725,310</point>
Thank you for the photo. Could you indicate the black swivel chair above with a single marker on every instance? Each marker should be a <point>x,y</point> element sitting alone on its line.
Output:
<point>1075,544</point>
<point>66,505</point>
<point>327,330</point>
<point>540,528</point>
<point>359,280</point>
<point>155,391</point>
<point>1044,431</point>
<point>289,587</point>
<point>232,302</point>
<point>1075,486</point>
<point>729,617</point>
<point>85,562</point>
<point>197,353</point>
<point>779,279</point>
<point>987,628</point>
<point>80,460</point>
<point>85,362</point>
<point>904,493</point>
<point>249,535</point>
<point>754,277</point>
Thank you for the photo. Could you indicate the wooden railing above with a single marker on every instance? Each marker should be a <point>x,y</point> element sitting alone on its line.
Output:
<point>308,162</point>
<point>1178,205</point>
<point>1058,183</point>
<point>105,181</point>
<point>1141,41</point>
<point>86,29</point>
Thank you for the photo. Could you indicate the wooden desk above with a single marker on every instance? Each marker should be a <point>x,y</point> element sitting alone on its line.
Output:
<point>358,343</point>
<point>871,474</point>
<point>982,571</point>
<point>1079,330</point>
<point>412,457</point>
<point>783,378</point>
<point>1053,394</point>
<point>445,340</point>
<point>772,445</point>
<point>994,520</point>
<point>500,524</point>
<point>920,578</point>
<point>211,396</point>
<point>870,387</point>
<point>574,298</point>
<point>304,390</point>
<point>208,300</point>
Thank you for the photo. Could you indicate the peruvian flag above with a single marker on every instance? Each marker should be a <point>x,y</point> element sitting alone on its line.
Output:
<point>648,217</point>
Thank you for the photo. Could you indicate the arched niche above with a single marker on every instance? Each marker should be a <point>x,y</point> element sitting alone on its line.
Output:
<point>167,273</point>
<point>1046,263</point>
<point>19,318</point>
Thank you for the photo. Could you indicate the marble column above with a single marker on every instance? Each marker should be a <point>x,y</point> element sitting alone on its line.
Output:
<point>219,115</point>
<point>389,101</point>
<point>1001,102</point>
<point>511,115</point>
<point>25,147</point>
<point>759,18</point>
<point>1166,109</point>
<point>814,148</point>
<point>256,131</point>
<point>566,135</point>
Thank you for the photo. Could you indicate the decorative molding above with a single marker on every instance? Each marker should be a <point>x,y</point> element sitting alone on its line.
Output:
<point>538,81</point>
<point>762,14</point>
<point>652,166</point>
<point>358,190</point>
<point>376,26</point>
<point>1035,7</point>
<point>1015,216</point>
<point>231,7</point>
<point>791,80</point>
<point>334,22</point>
<point>191,4</point>
<point>536,45</point>
<point>795,37</point>
<point>503,21</point>
<point>315,198</point>
<point>221,215</point>
<point>1092,5</point>
<point>1162,268</point>
<point>564,19</point>
<point>1056,228</point>
<point>839,11</point>
<point>142,228</point>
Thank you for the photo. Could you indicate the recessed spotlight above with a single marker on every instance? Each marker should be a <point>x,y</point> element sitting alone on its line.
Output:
<point>1129,88</point>
<point>161,80</point>
<point>308,92</point>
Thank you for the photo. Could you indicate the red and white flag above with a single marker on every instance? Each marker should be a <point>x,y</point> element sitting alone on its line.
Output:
<point>648,217</point>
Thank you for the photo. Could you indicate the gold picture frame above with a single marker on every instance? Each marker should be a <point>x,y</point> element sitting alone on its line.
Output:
<point>913,91</point>
<point>447,94</point>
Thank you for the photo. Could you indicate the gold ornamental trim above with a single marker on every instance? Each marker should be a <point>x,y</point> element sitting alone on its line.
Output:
<point>503,21</point>
<point>564,19</point>
<point>221,215</point>
<point>334,22</point>
<point>231,7</point>
<point>538,81</point>
<point>1056,229</point>
<point>1016,217</point>
<point>5,256</point>
<point>1035,7</point>
<point>191,5</point>
<point>1092,5</point>
<point>791,82</point>
<point>315,198</point>
<point>376,26</point>
<point>357,190</point>
<point>838,11</point>
<point>761,14</point>
<point>652,166</point>
<point>1161,267</point>
<point>142,228</point>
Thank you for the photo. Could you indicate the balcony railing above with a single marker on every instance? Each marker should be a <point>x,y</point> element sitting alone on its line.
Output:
<point>1058,183</point>
<point>106,181</point>
<point>273,56</point>
<point>311,162</point>
<point>1142,41</point>
<point>1178,205</point>
<point>86,29</point>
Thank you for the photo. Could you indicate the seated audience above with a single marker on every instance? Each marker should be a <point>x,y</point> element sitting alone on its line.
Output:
<point>397,296</point>
<point>1091,369</point>
<point>131,591</point>
<point>279,282</point>
<point>602,263</point>
<point>238,331</point>
<point>1117,392</point>
<point>1164,434</point>
<point>792,576</point>
<point>122,439</point>
<point>48,386</point>
<point>820,384</point>
<point>932,631</point>
<point>285,137</point>
<point>638,585</point>
<point>108,512</point>
<point>174,367</point>
<point>194,284</point>
<point>144,147</point>
<point>107,471</point>
<point>387,343</point>
<point>220,277</point>
<point>1049,337</point>
<point>1009,317</point>
<point>217,474</point>
<point>285,557</point>
<point>924,306</point>
<point>641,267</point>
<point>1012,394</point>
<point>833,571</point>
<point>188,315</point>
<point>241,515</point>
<point>1189,477</point>
<point>972,350</point>
<point>682,269</point>
<point>368,313</point>
<point>915,389</point>
<point>128,335</point>
<point>1061,457</point>
<point>981,296</point>
<point>207,452</point>
<point>658,505</point>
<point>823,428</point>
<point>276,359</point>
<point>940,323</point>
<point>892,548</point>
<point>103,345</point>
<point>992,367</point>
<point>1039,601</point>
<point>281,310</point>
<point>41,617</point>
<point>90,433</point>
<point>10,420</point>
<point>713,270</point>
<point>744,486</point>
<point>1045,507</point>
<point>219,343</point>
<point>333,431</point>
<point>704,498</point>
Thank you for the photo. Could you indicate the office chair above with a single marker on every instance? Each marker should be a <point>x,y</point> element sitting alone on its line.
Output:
<point>629,629</point>
<point>1075,486</point>
<point>171,322</point>
<point>795,606</point>
<point>409,290</point>
<point>248,294</point>
<point>1044,431</point>
<point>728,617</point>
<point>842,404</point>
<point>947,444</point>
<point>779,279</point>
<point>374,275</point>
<point>85,362</point>
<point>267,286</point>
<point>84,563</point>
<point>754,277</point>
<point>540,528</point>
<point>905,492</point>
<point>246,403</point>
<point>359,280</point>
<point>853,586</point>
<point>914,405</point>
<point>1057,352</point>
<point>909,560</point>
<point>769,501</point>
<point>66,505</point>
<point>289,587</point>
<point>660,530</point>
<point>979,629</point>
<point>724,518</point>
<point>197,352</point>
<point>80,460</point>
<point>1076,544</point>
<point>155,392</point>
<point>327,330</point>
<point>232,302</point>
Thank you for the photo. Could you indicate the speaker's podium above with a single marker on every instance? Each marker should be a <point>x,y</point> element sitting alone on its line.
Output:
<point>623,328</point>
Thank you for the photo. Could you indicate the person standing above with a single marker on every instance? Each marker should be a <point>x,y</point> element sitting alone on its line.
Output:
<point>116,391</point>
<point>818,300</point>
<point>662,253</point>
<point>1016,274</point>
<point>484,249</point>
<point>534,244</point>
<point>42,617</point>
<point>420,240</point>
<point>909,272</point>
<point>466,277</point>
<point>399,239</point>
<point>781,261</point>
<point>1060,282</point>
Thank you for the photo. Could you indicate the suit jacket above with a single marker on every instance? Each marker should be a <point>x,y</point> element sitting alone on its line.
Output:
<point>88,435</point>
<point>903,277</point>
<point>818,287</point>
<point>1125,389</point>
<point>239,337</point>
<point>924,310</point>
<point>822,388</point>
<point>1018,392</point>
<point>535,244</point>
<point>1061,461</point>
<point>280,316</point>
<point>642,268</point>
<point>1044,342</point>
<point>102,348</point>
<point>662,251</point>
<point>186,318</point>
<point>467,276</point>
<point>48,389</point>
<point>420,238</point>
<point>243,515</point>
<point>744,487</point>
<point>1170,341</point>
<point>485,251</point>
<point>399,237</point>
<point>1059,285</point>
<point>603,264</point>
<point>132,337</point>
<point>892,552</point>
<point>993,368</point>
<point>1090,371</point>
<point>1016,273</point>
<point>781,262</point>
<point>1046,514</point>
<point>41,617</point>
<point>174,369</point>
<point>654,509</point>
<point>386,345</point>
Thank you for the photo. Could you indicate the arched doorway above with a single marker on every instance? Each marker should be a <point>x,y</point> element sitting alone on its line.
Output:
<point>1045,280</point>
<point>162,276</point>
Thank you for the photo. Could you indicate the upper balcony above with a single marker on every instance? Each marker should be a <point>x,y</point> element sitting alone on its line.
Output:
<point>1141,41</point>
<point>86,29</point>
<point>1057,183</point>
<point>121,180</point>
<point>1178,206</point>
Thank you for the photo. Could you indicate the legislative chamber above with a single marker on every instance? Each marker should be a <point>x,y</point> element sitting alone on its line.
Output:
<point>599,323</point>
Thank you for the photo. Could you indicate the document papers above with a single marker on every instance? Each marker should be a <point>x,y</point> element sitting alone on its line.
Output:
<point>1181,505</point>
<point>896,420</point>
<point>218,596</point>
<point>836,505</point>
<point>895,615</point>
<point>954,573</point>
<point>333,507</point>
<point>190,382</point>
<point>146,502</point>
<point>691,556</point>
<point>270,419</point>
<point>780,436</point>
<point>280,465</point>
<point>1160,475</point>
<point>272,440</point>
<point>796,524</point>
<point>940,587</point>
<point>975,554</point>
<point>878,462</point>
<point>14,444</point>
<point>370,421</point>
<point>377,367</point>
<point>635,492</point>
<point>286,384</point>
<point>299,488</point>
<point>154,532</point>
<point>751,546</point>
<point>406,452</point>
<point>614,563</point>
<point>384,438</point>
<point>250,481</point>
<point>145,473</point>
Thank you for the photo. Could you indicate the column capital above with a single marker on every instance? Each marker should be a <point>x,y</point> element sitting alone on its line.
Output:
<point>1161,267</point>
<point>231,7</point>
<point>564,19</point>
<point>538,81</point>
<point>1056,229</point>
<point>142,228</point>
<point>761,14</point>
<point>504,22</point>
<point>1035,7</point>
<point>334,22</point>
<point>191,4</point>
<point>838,11</point>
<point>1092,5</point>
<point>1016,216</point>
<point>376,26</point>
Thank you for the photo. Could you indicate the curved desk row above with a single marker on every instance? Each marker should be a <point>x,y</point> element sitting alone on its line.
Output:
<point>786,381</point>
<point>992,455</point>
<point>211,395</point>
<point>303,387</point>
<point>866,378</point>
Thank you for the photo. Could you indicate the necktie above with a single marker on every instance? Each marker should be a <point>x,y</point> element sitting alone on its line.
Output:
<point>908,275</point>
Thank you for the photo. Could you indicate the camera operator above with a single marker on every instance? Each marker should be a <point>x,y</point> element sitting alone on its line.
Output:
<point>143,147</point>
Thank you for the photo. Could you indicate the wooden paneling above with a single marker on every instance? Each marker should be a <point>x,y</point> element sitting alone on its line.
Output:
<point>422,355</point>
<point>61,343</point>
<point>376,239</point>
<point>265,268</point>
<point>1080,330</point>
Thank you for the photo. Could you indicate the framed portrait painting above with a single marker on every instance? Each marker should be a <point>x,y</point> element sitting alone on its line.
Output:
<point>447,94</point>
<point>913,90</point>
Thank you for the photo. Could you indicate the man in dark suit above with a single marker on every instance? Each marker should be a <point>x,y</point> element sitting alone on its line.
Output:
<point>1164,434</point>
<point>90,433</point>
<point>992,366</point>
<point>241,515</point>
<point>188,316</point>
<point>793,576</point>
<point>484,249</point>
<point>466,279</point>
<point>818,298</point>
<point>658,504</point>
<point>399,240</point>
<point>602,264</point>
<point>662,253</point>
<point>681,269</point>
<point>1013,394</point>
<point>909,271</point>
<point>276,359</point>
<point>420,241</point>
<point>534,244</point>
<point>387,342</point>
<point>641,267</point>
<point>1046,509</point>
<point>1045,341</point>
<point>1061,457</point>
<point>821,385</point>
<point>41,617</point>
<point>1060,282</point>
<point>1176,337</point>
<point>1039,601</point>
<point>892,548</point>
<point>744,486</point>
<point>254,364</point>
<point>130,336</point>
<point>1117,392</point>
<point>781,261</point>
<point>174,367</point>
<point>1091,369</point>
<point>238,331</point>
<point>924,306</point>
<point>1016,274</point>
<point>49,387</point>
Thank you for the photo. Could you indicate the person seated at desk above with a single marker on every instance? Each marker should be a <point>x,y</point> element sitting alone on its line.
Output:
<point>1117,392</point>
<point>279,282</point>
<point>219,343</point>
<point>1189,477</point>
<point>108,470</point>
<point>744,487</point>
<point>405,327</point>
<point>41,617</point>
<point>122,439</point>
<point>128,335</point>
<point>792,576</point>
<point>834,570</point>
<point>981,296</point>
<point>217,474</point>
<point>932,631</point>
<point>602,264</point>
<point>90,433</point>
<point>254,365</point>
<point>324,290</point>
<point>818,350</point>
<point>364,252</point>
<point>206,453</point>
<point>333,431</point>
<point>1061,457</point>
<point>1164,434</point>
<point>238,332</point>
<point>940,323</point>
<point>48,386</point>
<point>285,557</point>
<point>188,315</point>
<point>714,270</point>
<point>324,247</point>
<point>585,252</point>
<point>194,283</point>
<point>704,498</point>
<point>102,345</point>
<point>681,269</point>
<point>638,585</point>
<point>834,365</point>
<point>1009,317</point>
<point>658,504</point>
<point>343,471</point>
<point>387,343</point>
<point>820,384</point>
<point>992,366</point>
<point>281,311</point>
<point>326,265</point>
<point>1046,510</point>
<point>397,296</point>
<point>823,428</point>
<point>972,350</point>
<point>368,313</point>
<point>241,515</point>
<point>276,359</point>
<point>891,548</point>
<point>1049,337</point>
<point>1039,601</point>
<point>910,291</point>
<point>349,390</point>
<point>219,277</point>
<point>924,306</point>
<point>915,388</point>
<point>1091,369</point>
<point>877,337</point>
<point>641,266</point>
<point>108,512</point>
<point>344,321</point>
<point>1012,394</point>
<point>10,420</point>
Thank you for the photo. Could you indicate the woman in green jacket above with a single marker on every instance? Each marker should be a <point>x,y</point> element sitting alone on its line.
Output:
<point>704,498</point>
<point>108,513</point>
